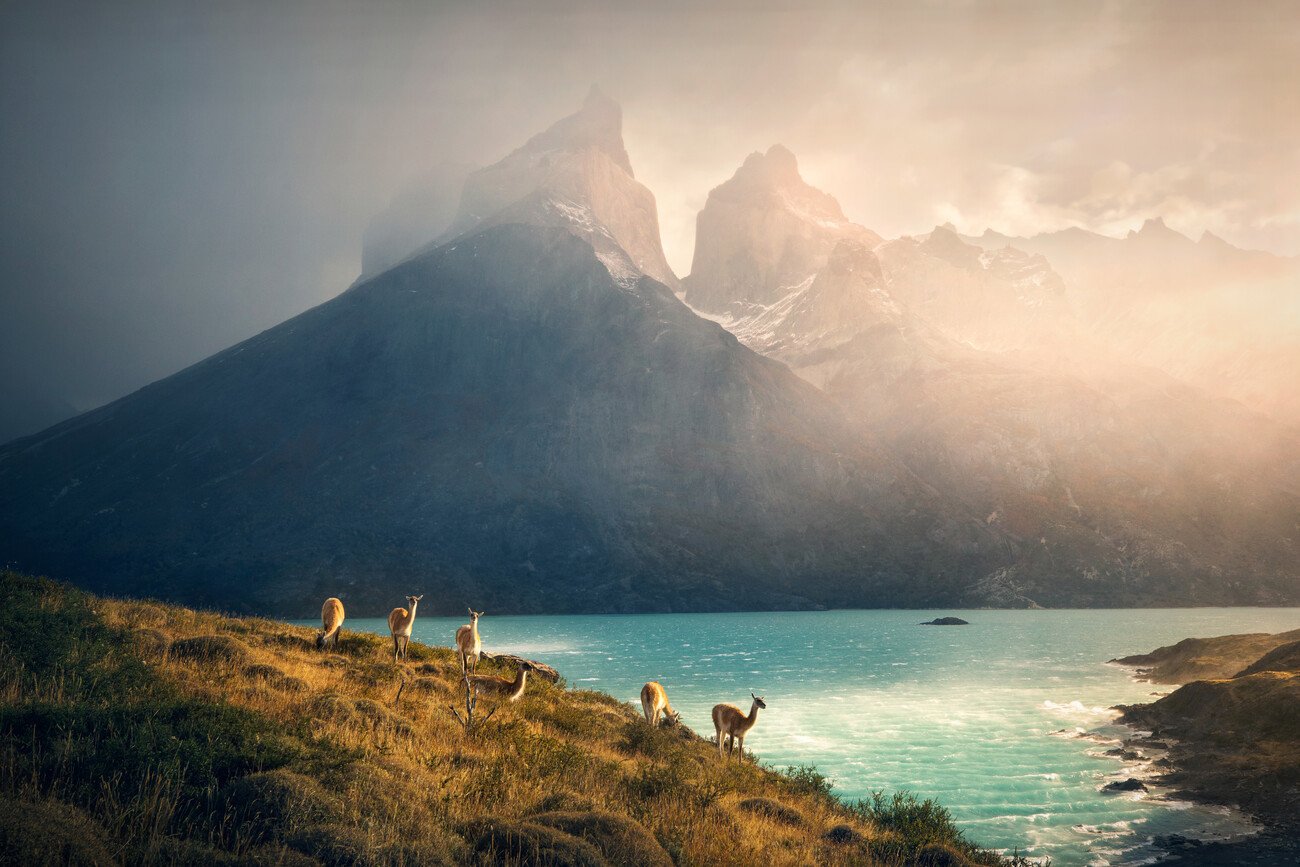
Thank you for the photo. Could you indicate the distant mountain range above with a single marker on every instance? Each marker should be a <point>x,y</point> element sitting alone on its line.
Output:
<point>524,414</point>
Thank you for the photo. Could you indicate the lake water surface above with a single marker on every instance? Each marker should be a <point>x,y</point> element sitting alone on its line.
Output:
<point>984,718</point>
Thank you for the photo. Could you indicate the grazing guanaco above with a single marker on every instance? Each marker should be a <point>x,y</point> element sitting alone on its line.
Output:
<point>729,722</point>
<point>331,623</point>
<point>500,687</point>
<point>654,701</point>
<point>400,621</point>
<point>468,643</point>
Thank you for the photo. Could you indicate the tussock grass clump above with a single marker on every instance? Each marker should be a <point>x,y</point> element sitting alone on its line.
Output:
<point>152,643</point>
<point>270,804</point>
<point>622,841</point>
<point>774,810</point>
<point>48,832</point>
<point>501,841</point>
<point>210,648</point>
<point>244,744</point>
<point>275,678</point>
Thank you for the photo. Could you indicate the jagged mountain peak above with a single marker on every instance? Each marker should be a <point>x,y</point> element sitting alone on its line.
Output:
<point>1154,229</point>
<point>764,232</point>
<point>944,243</point>
<point>773,179</point>
<point>580,167</point>
<point>778,166</point>
<point>598,124</point>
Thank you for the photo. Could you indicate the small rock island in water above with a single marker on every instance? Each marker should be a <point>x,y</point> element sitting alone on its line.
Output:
<point>946,621</point>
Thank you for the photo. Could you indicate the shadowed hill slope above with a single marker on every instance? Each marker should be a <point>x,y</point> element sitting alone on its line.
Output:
<point>498,419</point>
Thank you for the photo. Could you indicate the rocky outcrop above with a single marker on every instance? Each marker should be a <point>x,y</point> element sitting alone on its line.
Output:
<point>946,621</point>
<point>1128,785</point>
<point>1211,658</point>
<point>1233,740</point>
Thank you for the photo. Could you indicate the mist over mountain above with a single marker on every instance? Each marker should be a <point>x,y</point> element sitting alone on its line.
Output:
<point>579,164</point>
<point>525,413</point>
<point>1113,482</point>
<point>516,417</point>
<point>1211,314</point>
<point>787,229</point>
<point>417,215</point>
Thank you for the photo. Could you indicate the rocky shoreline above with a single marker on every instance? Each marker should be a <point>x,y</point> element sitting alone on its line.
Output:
<point>1231,740</point>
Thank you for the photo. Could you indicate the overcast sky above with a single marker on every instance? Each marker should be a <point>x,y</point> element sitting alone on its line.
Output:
<point>178,176</point>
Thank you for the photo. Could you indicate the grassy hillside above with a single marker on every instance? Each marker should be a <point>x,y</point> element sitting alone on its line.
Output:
<point>135,732</point>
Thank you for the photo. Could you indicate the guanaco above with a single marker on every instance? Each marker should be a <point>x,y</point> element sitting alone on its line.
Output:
<point>654,701</point>
<point>500,687</point>
<point>730,723</point>
<point>331,623</point>
<point>467,641</point>
<point>400,621</point>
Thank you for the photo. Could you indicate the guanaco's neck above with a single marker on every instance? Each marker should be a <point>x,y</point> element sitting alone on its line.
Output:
<point>520,679</point>
<point>753,715</point>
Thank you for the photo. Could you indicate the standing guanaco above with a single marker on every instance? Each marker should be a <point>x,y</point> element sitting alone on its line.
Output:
<point>729,722</point>
<point>400,621</point>
<point>510,690</point>
<point>331,623</point>
<point>654,701</point>
<point>468,643</point>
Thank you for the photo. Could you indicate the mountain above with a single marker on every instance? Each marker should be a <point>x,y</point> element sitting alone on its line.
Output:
<point>787,229</point>
<point>1210,314</point>
<point>579,164</point>
<point>1111,484</point>
<point>515,418</point>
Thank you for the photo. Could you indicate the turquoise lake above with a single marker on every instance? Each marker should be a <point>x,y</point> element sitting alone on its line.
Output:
<point>1004,722</point>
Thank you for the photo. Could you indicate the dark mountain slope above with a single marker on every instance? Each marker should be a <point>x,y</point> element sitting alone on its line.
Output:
<point>497,421</point>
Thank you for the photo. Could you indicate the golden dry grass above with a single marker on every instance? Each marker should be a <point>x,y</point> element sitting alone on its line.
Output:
<point>335,769</point>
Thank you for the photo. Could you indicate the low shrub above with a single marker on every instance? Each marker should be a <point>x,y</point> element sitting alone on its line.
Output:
<point>806,780</point>
<point>844,835</point>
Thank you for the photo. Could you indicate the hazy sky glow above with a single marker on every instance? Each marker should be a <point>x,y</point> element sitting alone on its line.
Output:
<point>181,175</point>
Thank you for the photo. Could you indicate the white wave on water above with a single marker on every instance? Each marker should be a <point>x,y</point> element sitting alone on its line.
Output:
<point>1077,708</point>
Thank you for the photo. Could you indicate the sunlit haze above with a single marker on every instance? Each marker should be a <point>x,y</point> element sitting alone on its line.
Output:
<point>179,176</point>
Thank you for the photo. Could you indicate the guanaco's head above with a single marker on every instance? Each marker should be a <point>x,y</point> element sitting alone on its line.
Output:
<point>672,717</point>
<point>758,701</point>
<point>320,641</point>
<point>527,666</point>
<point>474,615</point>
<point>411,600</point>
